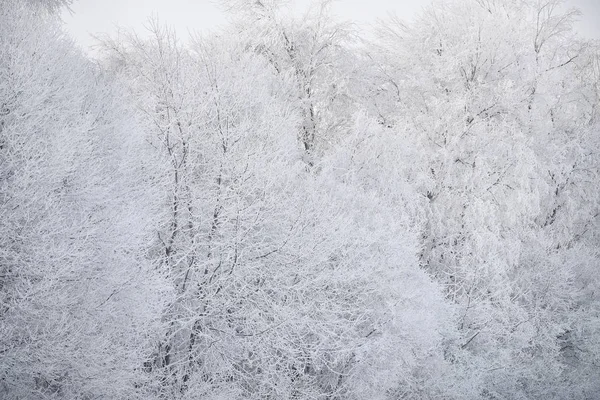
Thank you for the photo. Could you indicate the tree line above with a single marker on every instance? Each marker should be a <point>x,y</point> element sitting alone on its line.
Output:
<point>286,209</point>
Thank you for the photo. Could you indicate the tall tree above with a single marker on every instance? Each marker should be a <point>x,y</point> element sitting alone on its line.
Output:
<point>312,51</point>
<point>478,89</point>
<point>283,287</point>
<point>74,313</point>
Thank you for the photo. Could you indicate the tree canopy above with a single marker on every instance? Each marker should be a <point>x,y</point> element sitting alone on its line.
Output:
<point>287,210</point>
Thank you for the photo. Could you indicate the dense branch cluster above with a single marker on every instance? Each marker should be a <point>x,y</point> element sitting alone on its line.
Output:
<point>287,211</point>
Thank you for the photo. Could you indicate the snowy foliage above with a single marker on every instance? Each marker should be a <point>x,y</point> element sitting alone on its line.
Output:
<point>285,211</point>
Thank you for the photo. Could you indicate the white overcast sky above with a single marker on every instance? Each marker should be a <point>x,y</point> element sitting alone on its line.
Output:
<point>102,16</point>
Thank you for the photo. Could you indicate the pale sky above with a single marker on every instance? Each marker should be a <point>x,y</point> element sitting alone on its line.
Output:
<point>102,16</point>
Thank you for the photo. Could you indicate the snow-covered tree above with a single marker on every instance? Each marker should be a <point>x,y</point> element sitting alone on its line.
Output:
<point>284,211</point>
<point>284,287</point>
<point>312,51</point>
<point>76,293</point>
<point>478,88</point>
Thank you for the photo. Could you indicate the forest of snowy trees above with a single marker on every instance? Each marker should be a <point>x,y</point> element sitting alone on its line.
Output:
<point>286,209</point>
